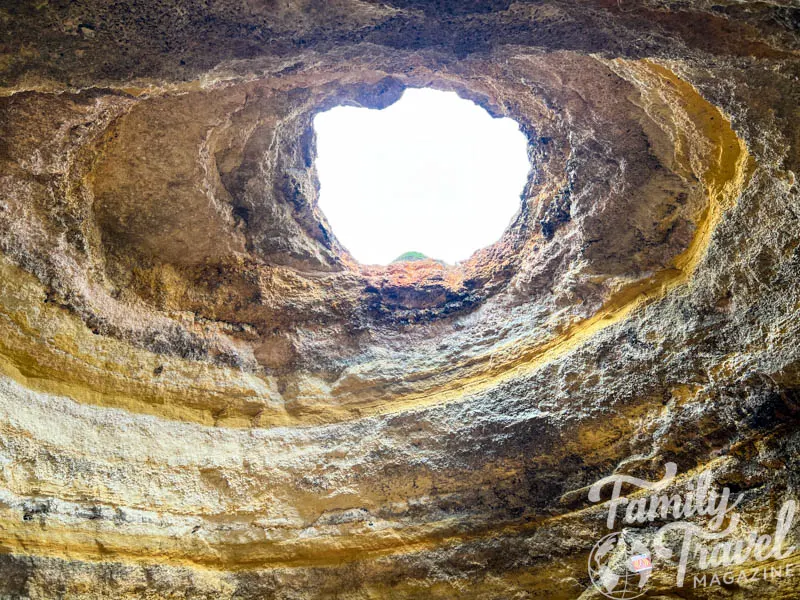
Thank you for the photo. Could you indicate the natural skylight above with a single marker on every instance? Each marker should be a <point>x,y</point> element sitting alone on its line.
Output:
<point>433,173</point>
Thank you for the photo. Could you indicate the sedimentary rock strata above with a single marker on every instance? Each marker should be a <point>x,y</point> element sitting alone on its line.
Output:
<point>204,396</point>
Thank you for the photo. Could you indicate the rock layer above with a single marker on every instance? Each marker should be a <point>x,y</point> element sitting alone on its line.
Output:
<point>204,396</point>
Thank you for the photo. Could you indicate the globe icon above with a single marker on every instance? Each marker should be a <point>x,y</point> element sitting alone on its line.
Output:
<point>619,568</point>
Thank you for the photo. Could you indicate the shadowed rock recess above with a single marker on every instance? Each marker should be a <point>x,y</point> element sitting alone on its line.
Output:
<point>202,395</point>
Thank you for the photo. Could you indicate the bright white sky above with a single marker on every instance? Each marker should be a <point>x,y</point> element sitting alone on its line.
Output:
<point>432,173</point>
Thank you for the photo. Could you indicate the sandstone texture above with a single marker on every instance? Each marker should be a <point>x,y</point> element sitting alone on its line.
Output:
<point>202,395</point>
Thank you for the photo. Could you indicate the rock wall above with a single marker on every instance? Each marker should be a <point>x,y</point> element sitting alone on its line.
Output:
<point>202,395</point>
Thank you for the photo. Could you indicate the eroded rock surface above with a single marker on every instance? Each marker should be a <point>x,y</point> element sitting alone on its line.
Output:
<point>202,395</point>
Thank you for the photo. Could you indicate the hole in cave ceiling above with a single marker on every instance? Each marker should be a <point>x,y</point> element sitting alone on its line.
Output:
<point>433,174</point>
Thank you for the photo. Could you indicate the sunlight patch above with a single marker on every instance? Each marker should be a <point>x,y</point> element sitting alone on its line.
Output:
<point>433,174</point>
